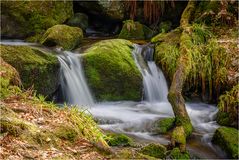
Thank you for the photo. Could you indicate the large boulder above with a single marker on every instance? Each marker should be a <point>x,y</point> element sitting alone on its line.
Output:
<point>36,68</point>
<point>20,19</point>
<point>79,20</point>
<point>62,35</point>
<point>227,139</point>
<point>111,71</point>
<point>113,10</point>
<point>135,30</point>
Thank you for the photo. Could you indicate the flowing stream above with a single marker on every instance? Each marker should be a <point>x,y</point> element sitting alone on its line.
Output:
<point>137,118</point>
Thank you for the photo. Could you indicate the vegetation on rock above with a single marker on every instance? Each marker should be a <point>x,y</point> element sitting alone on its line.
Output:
<point>118,140</point>
<point>135,30</point>
<point>176,154</point>
<point>228,108</point>
<point>36,68</point>
<point>111,71</point>
<point>62,35</point>
<point>227,139</point>
<point>20,19</point>
<point>154,150</point>
<point>164,125</point>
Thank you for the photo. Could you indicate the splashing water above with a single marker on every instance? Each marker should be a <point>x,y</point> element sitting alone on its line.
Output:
<point>72,79</point>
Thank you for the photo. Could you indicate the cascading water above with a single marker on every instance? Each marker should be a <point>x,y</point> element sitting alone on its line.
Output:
<point>73,83</point>
<point>155,85</point>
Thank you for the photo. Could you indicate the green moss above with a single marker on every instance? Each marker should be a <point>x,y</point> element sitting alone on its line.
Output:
<point>181,121</point>
<point>67,133</point>
<point>111,71</point>
<point>165,26</point>
<point>132,30</point>
<point>176,154</point>
<point>62,35</point>
<point>227,139</point>
<point>131,154</point>
<point>179,135</point>
<point>25,18</point>
<point>154,150</point>
<point>34,66</point>
<point>164,125</point>
<point>228,107</point>
<point>118,140</point>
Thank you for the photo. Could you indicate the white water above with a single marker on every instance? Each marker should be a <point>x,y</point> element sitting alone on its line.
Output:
<point>72,79</point>
<point>155,85</point>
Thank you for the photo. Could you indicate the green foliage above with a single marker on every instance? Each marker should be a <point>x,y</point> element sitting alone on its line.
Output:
<point>227,139</point>
<point>165,26</point>
<point>164,125</point>
<point>118,140</point>
<point>111,71</point>
<point>35,67</point>
<point>62,35</point>
<point>200,33</point>
<point>154,150</point>
<point>228,108</point>
<point>176,154</point>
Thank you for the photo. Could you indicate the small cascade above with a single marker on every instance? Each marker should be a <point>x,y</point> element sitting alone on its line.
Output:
<point>155,85</point>
<point>72,79</point>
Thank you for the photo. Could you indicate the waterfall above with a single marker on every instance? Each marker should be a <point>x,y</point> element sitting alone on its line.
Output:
<point>155,85</point>
<point>72,79</point>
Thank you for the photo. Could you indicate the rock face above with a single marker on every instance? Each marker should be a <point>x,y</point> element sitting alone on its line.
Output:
<point>227,139</point>
<point>135,30</point>
<point>36,68</point>
<point>62,35</point>
<point>20,19</point>
<point>79,20</point>
<point>113,10</point>
<point>111,71</point>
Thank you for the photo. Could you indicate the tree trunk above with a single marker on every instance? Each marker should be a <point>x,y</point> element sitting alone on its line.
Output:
<point>183,123</point>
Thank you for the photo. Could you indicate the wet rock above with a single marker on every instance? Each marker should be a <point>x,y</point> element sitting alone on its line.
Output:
<point>154,150</point>
<point>79,20</point>
<point>176,154</point>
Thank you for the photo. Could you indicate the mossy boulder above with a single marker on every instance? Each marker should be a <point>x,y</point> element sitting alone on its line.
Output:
<point>228,108</point>
<point>78,20</point>
<point>154,150</point>
<point>164,125</point>
<point>9,79</point>
<point>36,68</point>
<point>176,154</point>
<point>227,139</point>
<point>135,30</point>
<point>62,35</point>
<point>118,140</point>
<point>20,19</point>
<point>111,71</point>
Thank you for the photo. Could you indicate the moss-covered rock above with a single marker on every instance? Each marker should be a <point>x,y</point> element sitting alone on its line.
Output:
<point>25,18</point>
<point>135,30</point>
<point>227,139</point>
<point>35,67</point>
<point>164,125</point>
<point>9,79</point>
<point>111,71</point>
<point>154,150</point>
<point>118,140</point>
<point>228,108</point>
<point>165,26</point>
<point>178,138</point>
<point>62,35</point>
<point>79,20</point>
<point>176,154</point>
